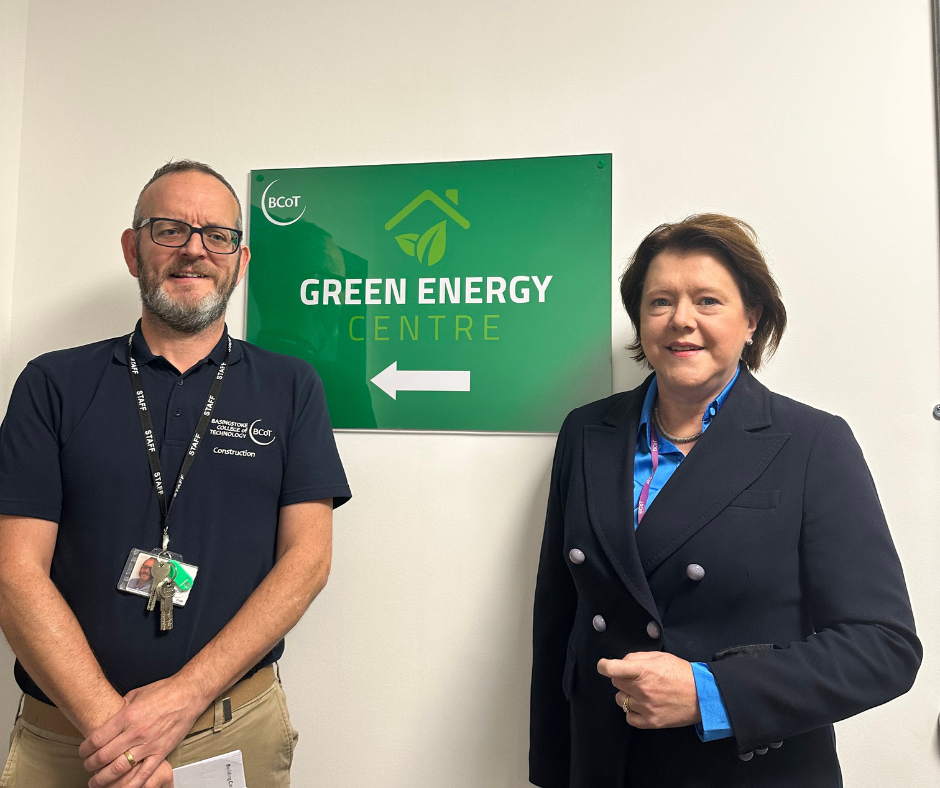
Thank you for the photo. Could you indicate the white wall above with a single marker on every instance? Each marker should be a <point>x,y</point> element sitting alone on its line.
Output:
<point>814,121</point>
<point>13,15</point>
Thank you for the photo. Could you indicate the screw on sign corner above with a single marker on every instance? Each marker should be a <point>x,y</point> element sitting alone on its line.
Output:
<point>936,412</point>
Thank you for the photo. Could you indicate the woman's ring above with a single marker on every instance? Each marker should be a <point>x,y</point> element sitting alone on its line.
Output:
<point>130,758</point>
<point>626,705</point>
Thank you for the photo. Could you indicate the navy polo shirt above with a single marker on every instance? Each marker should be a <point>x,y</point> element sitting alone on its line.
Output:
<point>72,451</point>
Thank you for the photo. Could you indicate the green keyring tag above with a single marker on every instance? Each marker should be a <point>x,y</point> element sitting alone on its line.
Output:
<point>180,576</point>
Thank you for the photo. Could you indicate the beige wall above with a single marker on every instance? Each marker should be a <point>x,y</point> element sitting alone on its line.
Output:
<point>13,15</point>
<point>814,121</point>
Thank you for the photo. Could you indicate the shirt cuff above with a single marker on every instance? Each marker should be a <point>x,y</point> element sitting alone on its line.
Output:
<point>715,723</point>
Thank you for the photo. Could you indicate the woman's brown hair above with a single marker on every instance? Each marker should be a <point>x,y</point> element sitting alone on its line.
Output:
<point>732,242</point>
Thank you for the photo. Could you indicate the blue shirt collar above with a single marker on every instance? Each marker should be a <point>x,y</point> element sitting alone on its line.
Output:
<point>710,412</point>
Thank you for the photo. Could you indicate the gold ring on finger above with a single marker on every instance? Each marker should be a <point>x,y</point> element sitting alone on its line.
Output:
<point>626,705</point>
<point>130,758</point>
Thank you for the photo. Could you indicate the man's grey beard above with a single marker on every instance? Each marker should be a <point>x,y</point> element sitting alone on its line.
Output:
<point>186,318</point>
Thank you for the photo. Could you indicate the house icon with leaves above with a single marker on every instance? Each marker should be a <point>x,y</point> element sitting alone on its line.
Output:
<point>434,240</point>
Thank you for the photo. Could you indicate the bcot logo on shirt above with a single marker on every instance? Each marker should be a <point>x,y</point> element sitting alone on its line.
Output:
<point>260,435</point>
<point>240,430</point>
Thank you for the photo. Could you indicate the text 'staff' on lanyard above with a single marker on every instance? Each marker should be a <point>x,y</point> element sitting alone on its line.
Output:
<point>165,588</point>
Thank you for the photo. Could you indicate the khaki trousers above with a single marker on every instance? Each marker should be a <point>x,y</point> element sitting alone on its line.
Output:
<point>261,729</point>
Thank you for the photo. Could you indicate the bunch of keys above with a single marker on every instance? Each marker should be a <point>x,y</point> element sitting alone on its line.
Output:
<point>163,588</point>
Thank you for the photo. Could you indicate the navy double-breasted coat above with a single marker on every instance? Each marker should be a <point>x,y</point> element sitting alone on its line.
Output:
<point>777,504</point>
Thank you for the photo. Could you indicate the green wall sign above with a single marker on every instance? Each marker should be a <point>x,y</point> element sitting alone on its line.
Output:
<point>454,296</point>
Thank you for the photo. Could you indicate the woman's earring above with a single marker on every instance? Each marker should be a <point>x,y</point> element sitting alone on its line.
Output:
<point>749,342</point>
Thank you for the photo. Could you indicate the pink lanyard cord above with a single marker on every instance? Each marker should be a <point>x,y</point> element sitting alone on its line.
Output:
<point>645,492</point>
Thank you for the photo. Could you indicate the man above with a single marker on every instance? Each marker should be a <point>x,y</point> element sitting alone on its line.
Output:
<point>94,445</point>
<point>144,576</point>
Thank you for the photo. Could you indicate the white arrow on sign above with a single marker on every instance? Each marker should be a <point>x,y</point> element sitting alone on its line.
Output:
<point>392,380</point>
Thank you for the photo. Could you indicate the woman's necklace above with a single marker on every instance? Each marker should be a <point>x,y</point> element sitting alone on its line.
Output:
<point>673,438</point>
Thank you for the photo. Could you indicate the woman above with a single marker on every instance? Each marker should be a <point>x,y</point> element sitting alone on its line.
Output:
<point>717,584</point>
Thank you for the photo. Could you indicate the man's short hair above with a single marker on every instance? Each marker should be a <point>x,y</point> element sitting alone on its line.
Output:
<point>184,165</point>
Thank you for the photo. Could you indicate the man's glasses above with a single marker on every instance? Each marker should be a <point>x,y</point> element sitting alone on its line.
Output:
<point>174,233</point>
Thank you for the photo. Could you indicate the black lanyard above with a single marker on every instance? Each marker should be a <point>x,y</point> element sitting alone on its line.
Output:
<point>146,423</point>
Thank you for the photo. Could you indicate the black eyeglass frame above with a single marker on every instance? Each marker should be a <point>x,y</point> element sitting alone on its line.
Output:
<point>192,230</point>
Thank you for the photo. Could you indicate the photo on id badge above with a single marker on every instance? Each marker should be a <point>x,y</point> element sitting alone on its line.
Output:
<point>137,577</point>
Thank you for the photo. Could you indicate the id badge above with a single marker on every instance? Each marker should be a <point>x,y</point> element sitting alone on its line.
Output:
<point>137,578</point>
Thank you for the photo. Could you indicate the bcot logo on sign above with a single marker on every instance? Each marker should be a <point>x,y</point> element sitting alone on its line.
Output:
<point>280,202</point>
<point>283,202</point>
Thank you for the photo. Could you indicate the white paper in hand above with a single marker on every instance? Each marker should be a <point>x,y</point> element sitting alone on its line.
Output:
<point>222,771</point>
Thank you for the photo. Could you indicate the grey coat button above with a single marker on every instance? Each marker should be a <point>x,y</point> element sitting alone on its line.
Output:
<point>575,556</point>
<point>760,750</point>
<point>695,571</point>
<point>599,624</point>
<point>652,629</point>
<point>746,756</point>
<point>776,745</point>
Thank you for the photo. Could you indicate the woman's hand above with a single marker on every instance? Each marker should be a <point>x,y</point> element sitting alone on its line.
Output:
<point>660,688</point>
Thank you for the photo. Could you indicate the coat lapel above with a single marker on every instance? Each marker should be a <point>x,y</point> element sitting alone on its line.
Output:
<point>608,473</point>
<point>729,457</point>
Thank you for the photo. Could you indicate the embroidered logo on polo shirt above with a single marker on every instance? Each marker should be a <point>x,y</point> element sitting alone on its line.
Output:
<point>260,435</point>
<point>225,428</point>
